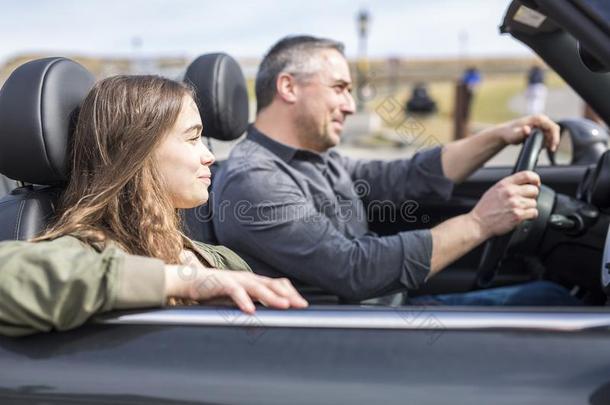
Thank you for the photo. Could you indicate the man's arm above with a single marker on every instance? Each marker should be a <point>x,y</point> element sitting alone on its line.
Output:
<point>279,226</point>
<point>262,213</point>
<point>419,177</point>
<point>505,205</point>
<point>461,158</point>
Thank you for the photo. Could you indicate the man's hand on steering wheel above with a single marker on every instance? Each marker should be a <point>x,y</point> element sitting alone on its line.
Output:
<point>516,131</point>
<point>508,203</point>
<point>523,209</point>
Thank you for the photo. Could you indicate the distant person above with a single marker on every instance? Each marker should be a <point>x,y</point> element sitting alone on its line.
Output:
<point>471,79</point>
<point>535,95</point>
<point>294,206</point>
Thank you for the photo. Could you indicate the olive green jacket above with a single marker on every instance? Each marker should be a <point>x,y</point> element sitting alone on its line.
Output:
<point>59,284</point>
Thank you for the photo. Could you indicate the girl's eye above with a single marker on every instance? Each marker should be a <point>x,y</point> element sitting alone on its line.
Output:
<point>195,140</point>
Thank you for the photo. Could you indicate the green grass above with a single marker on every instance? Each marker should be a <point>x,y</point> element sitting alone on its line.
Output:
<point>490,105</point>
<point>492,98</point>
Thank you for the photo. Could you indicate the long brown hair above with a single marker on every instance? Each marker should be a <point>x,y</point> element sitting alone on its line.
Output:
<point>114,192</point>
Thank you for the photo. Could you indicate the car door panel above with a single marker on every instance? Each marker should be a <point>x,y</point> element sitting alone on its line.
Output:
<point>427,357</point>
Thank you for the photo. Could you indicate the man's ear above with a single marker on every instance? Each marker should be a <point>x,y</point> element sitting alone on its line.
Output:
<point>286,86</point>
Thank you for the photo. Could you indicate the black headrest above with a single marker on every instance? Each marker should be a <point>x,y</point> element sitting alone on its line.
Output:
<point>222,95</point>
<point>38,103</point>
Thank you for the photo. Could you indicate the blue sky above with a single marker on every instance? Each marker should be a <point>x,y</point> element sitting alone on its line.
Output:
<point>407,28</point>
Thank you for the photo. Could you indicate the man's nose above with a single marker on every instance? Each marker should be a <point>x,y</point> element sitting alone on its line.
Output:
<point>349,105</point>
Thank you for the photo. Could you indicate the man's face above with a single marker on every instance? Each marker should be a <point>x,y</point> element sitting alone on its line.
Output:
<point>324,101</point>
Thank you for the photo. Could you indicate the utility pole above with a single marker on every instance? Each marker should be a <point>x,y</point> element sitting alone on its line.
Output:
<point>362,65</point>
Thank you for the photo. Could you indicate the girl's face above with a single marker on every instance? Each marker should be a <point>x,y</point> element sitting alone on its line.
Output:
<point>183,160</point>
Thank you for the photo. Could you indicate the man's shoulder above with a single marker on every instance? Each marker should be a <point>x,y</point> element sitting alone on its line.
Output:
<point>248,155</point>
<point>251,169</point>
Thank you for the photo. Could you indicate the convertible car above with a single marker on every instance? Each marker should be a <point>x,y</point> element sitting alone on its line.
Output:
<point>333,354</point>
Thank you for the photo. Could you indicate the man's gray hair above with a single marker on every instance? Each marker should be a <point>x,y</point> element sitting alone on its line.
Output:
<point>294,55</point>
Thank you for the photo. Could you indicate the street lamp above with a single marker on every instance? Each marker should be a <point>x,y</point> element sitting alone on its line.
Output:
<point>362,21</point>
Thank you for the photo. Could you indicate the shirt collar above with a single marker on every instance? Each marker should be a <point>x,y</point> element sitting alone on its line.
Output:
<point>283,151</point>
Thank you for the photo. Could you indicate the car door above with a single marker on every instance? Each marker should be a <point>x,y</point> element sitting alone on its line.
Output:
<point>322,355</point>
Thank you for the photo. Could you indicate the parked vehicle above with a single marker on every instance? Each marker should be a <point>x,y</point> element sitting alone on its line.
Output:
<point>420,101</point>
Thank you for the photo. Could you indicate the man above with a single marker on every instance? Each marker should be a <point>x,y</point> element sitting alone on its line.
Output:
<point>287,202</point>
<point>535,95</point>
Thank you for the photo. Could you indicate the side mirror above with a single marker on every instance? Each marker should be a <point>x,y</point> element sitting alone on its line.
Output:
<point>582,143</point>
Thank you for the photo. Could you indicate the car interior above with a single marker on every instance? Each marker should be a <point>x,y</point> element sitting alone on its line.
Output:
<point>39,101</point>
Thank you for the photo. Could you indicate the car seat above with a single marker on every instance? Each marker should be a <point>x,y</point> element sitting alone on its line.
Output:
<point>6,185</point>
<point>222,98</point>
<point>38,106</point>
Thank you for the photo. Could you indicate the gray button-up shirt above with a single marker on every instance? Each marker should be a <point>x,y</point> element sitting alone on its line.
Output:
<point>303,215</point>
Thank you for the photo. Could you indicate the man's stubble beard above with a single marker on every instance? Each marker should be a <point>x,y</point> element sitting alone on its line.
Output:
<point>313,137</point>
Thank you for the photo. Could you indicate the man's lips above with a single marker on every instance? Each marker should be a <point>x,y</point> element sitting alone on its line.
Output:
<point>338,124</point>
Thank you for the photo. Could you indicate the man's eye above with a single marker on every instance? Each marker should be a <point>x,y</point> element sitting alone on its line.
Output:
<point>342,88</point>
<point>195,139</point>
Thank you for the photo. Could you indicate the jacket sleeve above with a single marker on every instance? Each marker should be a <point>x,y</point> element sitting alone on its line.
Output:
<point>59,284</point>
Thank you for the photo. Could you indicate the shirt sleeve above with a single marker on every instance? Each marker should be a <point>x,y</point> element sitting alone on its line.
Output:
<point>281,227</point>
<point>59,284</point>
<point>399,180</point>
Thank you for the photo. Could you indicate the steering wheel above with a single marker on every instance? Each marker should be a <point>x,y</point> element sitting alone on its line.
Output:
<point>527,235</point>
